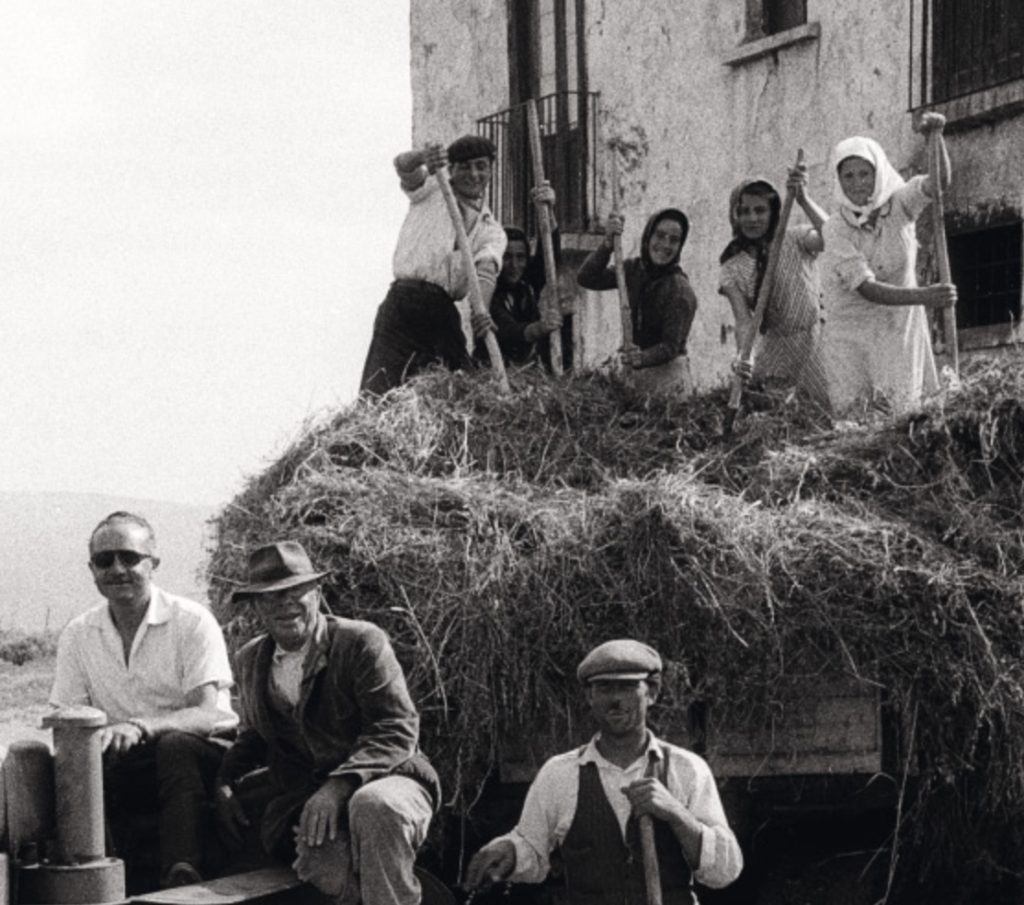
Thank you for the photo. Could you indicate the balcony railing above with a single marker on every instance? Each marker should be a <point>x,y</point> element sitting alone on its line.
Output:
<point>568,124</point>
<point>959,47</point>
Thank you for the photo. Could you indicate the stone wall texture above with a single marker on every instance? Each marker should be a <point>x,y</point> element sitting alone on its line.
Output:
<point>690,126</point>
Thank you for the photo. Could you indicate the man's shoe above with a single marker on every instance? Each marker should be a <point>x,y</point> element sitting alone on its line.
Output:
<point>182,874</point>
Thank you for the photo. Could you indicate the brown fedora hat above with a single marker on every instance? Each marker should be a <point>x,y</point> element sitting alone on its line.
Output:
<point>277,566</point>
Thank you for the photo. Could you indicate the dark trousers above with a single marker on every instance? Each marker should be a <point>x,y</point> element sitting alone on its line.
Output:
<point>173,778</point>
<point>417,325</point>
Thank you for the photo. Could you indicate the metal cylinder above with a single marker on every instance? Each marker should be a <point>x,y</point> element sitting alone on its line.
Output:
<point>78,778</point>
<point>27,775</point>
<point>79,884</point>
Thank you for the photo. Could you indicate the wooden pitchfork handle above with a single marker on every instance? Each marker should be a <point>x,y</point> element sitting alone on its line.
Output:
<point>652,874</point>
<point>549,295</point>
<point>761,302</point>
<point>620,271</point>
<point>941,248</point>
<point>476,297</point>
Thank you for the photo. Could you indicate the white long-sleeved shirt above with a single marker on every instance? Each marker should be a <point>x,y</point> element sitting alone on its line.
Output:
<point>426,243</point>
<point>550,807</point>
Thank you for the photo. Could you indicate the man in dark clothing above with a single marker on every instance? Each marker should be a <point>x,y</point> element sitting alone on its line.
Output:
<point>586,803</point>
<point>324,705</point>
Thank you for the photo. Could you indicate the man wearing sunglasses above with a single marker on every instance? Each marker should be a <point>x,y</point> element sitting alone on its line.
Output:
<point>157,665</point>
<point>349,795</point>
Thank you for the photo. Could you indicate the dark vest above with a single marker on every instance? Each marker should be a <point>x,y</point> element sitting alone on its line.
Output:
<point>602,869</point>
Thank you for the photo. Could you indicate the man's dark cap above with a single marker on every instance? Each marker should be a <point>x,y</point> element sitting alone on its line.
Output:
<point>622,658</point>
<point>277,566</point>
<point>470,147</point>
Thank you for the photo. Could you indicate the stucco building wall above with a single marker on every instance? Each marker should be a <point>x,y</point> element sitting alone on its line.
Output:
<point>690,126</point>
<point>459,66</point>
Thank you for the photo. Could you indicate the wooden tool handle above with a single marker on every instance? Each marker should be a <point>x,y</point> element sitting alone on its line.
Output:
<point>652,874</point>
<point>620,271</point>
<point>549,295</point>
<point>476,298</point>
<point>941,248</point>
<point>761,302</point>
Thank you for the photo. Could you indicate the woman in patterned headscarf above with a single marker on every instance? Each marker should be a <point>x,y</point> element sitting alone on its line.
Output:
<point>789,346</point>
<point>877,344</point>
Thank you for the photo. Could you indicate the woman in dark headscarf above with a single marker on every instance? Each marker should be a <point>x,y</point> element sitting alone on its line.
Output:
<point>789,348</point>
<point>661,303</point>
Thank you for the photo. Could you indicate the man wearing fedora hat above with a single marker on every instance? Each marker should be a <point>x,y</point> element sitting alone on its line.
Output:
<point>418,322</point>
<point>157,666</point>
<point>325,707</point>
<point>585,804</point>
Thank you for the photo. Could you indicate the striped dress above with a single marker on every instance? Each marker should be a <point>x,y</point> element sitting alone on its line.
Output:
<point>789,347</point>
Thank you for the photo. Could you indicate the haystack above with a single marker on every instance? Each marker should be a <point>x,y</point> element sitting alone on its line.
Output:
<point>498,539</point>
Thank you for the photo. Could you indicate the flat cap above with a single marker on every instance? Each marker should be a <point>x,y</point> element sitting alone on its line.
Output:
<point>470,147</point>
<point>622,658</point>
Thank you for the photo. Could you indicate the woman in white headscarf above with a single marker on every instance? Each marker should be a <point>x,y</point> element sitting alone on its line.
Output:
<point>876,340</point>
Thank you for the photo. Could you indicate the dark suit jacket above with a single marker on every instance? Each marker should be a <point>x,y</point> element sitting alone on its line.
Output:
<point>354,718</point>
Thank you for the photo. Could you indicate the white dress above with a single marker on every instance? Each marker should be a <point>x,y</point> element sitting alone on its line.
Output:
<point>873,350</point>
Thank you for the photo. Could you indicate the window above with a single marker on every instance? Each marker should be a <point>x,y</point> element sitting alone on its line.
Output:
<point>546,53</point>
<point>771,26</point>
<point>969,46</point>
<point>769,17</point>
<point>547,62</point>
<point>986,267</point>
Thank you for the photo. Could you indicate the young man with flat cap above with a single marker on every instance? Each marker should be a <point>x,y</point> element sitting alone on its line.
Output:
<point>325,706</point>
<point>418,322</point>
<point>584,804</point>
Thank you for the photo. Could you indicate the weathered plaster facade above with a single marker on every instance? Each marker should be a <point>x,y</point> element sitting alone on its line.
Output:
<point>692,119</point>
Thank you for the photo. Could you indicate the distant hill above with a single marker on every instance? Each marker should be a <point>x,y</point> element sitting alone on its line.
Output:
<point>44,577</point>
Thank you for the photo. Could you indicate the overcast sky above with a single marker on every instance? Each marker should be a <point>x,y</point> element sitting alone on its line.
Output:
<point>197,215</point>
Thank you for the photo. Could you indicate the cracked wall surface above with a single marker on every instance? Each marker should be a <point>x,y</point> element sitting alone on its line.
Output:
<point>689,127</point>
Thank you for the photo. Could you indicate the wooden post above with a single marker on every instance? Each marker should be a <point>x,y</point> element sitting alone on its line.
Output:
<point>625,316</point>
<point>549,295</point>
<point>476,299</point>
<point>941,248</point>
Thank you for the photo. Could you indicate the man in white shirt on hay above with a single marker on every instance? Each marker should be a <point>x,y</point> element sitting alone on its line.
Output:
<point>418,322</point>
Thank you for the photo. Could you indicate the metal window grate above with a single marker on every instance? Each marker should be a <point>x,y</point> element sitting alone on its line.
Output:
<point>568,125</point>
<point>963,46</point>
<point>986,267</point>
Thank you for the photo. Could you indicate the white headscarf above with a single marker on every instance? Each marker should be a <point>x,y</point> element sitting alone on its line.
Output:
<point>887,180</point>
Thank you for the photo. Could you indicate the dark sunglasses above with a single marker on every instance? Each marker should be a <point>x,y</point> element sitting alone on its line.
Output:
<point>129,558</point>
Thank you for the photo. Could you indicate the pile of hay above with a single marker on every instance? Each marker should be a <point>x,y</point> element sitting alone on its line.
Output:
<point>497,540</point>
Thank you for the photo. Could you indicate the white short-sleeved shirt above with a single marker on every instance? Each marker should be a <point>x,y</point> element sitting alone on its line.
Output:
<point>178,647</point>
<point>426,248</point>
<point>885,251</point>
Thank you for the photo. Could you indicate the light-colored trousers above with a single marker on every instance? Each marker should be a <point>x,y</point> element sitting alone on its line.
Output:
<point>373,862</point>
